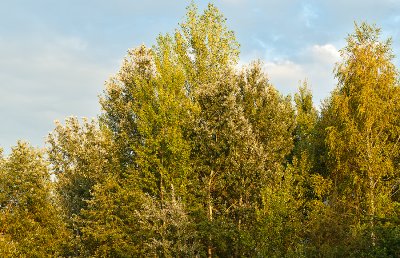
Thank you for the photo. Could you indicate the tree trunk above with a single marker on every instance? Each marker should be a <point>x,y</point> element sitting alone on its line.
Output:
<point>210,213</point>
<point>372,210</point>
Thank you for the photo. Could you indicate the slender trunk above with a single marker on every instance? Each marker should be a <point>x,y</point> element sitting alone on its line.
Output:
<point>371,186</point>
<point>372,210</point>
<point>162,182</point>
<point>161,192</point>
<point>239,225</point>
<point>210,213</point>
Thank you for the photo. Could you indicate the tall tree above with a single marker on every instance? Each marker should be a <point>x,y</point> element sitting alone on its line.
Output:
<point>161,91</point>
<point>146,100</point>
<point>362,132</point>
<point>146,104</point>
<point>81,155</point>
<point>229,164</point>
<point>228,158</point>
<point>121,97</point>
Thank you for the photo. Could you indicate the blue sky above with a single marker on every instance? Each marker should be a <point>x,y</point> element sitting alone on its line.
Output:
<point>56,55</point>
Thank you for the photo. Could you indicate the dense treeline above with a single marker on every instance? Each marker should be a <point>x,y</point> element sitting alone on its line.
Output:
<point>194,157</point>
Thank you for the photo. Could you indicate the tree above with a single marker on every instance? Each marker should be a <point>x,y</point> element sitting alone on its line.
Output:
<point>31,223</point>
<point>362,130</point>
<point>228,159</point>
<point>109,225</point>
<point>229,164</point>
<point>205,46</point>
<point>120,98</point>
<point>306,120</point>
<point>81,156</point>
<point>170,231</point>
<point>147,109</point>
<point>270,114</point>
<point>146,105</point>
<point>153,105</point>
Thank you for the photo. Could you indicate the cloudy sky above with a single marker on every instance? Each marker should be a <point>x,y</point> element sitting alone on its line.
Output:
<point>56,55</point>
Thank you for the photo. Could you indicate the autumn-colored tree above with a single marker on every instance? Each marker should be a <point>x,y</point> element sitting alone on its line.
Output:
<point>362,131</point>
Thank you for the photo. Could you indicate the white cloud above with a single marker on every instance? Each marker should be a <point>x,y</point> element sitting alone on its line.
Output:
<point>314,64</point>
<point>285,75</point>
<point>324,54</point>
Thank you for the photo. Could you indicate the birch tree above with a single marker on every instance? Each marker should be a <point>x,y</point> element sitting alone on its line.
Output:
<point>363,130</point>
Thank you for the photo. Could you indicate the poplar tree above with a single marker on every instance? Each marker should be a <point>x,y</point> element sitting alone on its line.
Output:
<point>147,106</point>
<point>205,47</point>
<point>229,165</point>
<point>228,159</point>
<point>120,98</point>
<point>80,155</point>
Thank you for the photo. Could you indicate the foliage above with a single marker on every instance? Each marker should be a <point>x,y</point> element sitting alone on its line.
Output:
<point>31,223</point>
<point>362,131</point>
<point>193,156</point>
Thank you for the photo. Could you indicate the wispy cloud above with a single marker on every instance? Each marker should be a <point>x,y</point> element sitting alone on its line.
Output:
<point>309,14</point>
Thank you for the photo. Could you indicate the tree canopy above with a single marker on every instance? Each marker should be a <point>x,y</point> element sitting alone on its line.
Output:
<point>195,156</point>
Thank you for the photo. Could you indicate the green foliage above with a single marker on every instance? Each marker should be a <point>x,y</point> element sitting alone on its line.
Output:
<point>109,226</point>
<point>205,46</point>
<point>121,96</point>
<point>228,157</point>
<point>80,156</point>
<point>306,120</point>
<point>193,157</point>
<point>31,224</point>
<point>271,115</point>
<point>168,228</point>
<point>122,221</point>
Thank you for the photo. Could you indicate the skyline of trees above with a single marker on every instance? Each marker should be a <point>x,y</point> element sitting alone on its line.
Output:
<point>193,157</point>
